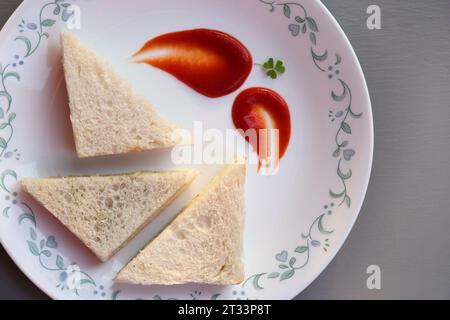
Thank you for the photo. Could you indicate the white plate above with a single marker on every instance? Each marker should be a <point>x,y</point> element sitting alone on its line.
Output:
<point>294,224</point>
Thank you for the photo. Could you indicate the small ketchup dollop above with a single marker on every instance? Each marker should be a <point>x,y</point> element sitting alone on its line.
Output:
<point>260,108</point>
<point>211,62</point>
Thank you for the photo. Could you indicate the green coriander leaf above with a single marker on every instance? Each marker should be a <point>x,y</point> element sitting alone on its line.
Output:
<point>268,64</point>
<point>272,74</point>
<point>279,67</point>
<point>273,68</point>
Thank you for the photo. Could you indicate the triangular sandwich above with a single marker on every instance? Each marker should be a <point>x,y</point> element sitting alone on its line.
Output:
<point>108,116</point>
<point>203,244</point>
<point>105,212</point>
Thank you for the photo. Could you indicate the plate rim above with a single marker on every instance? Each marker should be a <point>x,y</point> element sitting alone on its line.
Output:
<point>14,16</point>
<point>371,147</point>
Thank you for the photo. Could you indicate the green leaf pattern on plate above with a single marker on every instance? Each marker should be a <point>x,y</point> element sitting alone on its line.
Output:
<point>43,248</point>
<point>318,236</point>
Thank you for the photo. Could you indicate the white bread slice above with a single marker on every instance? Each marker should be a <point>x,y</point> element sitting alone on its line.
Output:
<point>203,244</point>
<point>108,116</point>
<point>105,212</point>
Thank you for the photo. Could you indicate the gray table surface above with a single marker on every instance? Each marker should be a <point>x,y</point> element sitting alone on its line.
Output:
<point>404,225</point>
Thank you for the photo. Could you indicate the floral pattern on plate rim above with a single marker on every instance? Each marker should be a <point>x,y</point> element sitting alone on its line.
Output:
<point>288,262</point>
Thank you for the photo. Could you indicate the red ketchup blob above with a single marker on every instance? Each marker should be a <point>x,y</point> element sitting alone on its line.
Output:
<point>261,108</point>
<point>211,62</point>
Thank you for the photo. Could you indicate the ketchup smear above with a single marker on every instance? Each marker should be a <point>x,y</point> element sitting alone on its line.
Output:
<point>211,62</point>
<point>261,108</point>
